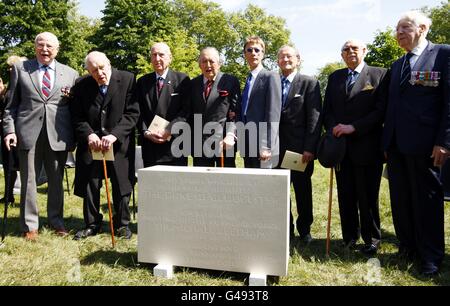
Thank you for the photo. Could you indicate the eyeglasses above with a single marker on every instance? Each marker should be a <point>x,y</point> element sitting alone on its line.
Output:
<point>250,50</point>
<point>42,46</point>
<point>347,49</point>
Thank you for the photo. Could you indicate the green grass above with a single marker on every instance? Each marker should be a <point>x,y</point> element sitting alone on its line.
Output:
<point>53,260</point>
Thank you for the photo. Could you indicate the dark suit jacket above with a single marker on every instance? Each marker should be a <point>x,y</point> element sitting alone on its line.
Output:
<point>115,114</point>
<point>224,97</point>
<point>172,105</point>
<point>264,105</point>
<point>419,116</point>
<point>363,108</point>
<point>299,124</point>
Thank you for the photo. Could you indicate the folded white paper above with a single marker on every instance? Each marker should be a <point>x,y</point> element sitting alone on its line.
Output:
<point>158,125</point>
<point>293,161</point>
<point>108,155</point>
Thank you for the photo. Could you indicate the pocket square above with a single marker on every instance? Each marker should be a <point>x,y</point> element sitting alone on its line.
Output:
<point>297,95</point>
<point>368,87</point>
<point>175,94</point>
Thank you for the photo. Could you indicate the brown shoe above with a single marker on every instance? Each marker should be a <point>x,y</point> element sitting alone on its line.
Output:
<point>31,235</point>
<point>62,232</point>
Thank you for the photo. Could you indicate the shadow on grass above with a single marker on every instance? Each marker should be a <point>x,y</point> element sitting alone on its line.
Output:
<point>112,258</point>
<point>387,255</point>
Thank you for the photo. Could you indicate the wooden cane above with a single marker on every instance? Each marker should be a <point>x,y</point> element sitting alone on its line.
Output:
<point>222,160</point>
<point>109,203</point>
<point>330,201</point>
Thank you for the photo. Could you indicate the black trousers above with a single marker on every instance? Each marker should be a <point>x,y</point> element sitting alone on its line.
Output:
<point>358,188</point>
<point>417,205</point>
<point>228,162</point>
<point>301,182</point>
<point>10,161</point>
<point>91,203</point>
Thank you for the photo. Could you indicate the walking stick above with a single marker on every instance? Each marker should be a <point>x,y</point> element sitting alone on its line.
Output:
<point>7,193</point>
<point>222,159</point>
<point>109,203</point>
<point>330,200</point>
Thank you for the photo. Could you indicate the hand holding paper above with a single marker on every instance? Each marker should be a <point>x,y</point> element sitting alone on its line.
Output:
<point>293,161</point>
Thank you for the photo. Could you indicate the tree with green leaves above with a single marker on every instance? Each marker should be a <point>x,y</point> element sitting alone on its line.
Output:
<point>440,29</point>
<point>254,21</point>
<point>21,21</point>
<point>325,72</point>
<point>384,50</point>
<point>129,27</point>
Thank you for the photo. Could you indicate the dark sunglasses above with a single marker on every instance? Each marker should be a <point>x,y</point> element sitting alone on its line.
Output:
<point>250,50</point>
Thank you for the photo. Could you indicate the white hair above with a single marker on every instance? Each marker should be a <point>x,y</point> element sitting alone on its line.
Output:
<point>50,36</point>
<point>297,53</point>
<point>417,18</point>
<point>98,55</point>
<point>214,52</point>
<point>357,42</point>
<point>163,45</point>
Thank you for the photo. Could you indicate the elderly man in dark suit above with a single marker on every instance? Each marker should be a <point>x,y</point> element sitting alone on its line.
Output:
<point>165,93</point>
<point>300,128</point>
<point>417,139</point>
<point>214,97</point>
<point>260,107</point>
<point>105,114</point>
<point>37,119</point>
<point>354,107</point>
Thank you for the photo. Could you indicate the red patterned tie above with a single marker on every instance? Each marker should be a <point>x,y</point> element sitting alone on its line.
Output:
<point>46,82</point>
<point>208,89</point>
<point>160,85</point>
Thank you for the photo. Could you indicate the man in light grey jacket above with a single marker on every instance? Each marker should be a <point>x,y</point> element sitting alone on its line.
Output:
<point>37,120</point>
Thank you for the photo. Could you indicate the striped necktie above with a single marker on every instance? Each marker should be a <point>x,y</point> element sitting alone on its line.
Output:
<point>351,80</point>
<point>160,85</point>
<point>405,75</point>
<point>46,82</point>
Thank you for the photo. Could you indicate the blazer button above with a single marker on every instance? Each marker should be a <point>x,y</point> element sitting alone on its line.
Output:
<point>103,112</point>
<point>40,118</point>
<point>103,129</point>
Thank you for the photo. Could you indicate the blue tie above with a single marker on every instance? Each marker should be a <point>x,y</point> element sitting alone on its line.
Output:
<point>285,86</point>
<point>405,75</point>
<point>103,89</point>
<point>351,79</point>
<point>245,95</point>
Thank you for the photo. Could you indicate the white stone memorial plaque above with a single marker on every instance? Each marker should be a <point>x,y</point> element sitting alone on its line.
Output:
<point>215,218</point>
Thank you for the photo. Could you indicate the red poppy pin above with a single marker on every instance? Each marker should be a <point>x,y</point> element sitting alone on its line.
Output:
<point>223,93</point>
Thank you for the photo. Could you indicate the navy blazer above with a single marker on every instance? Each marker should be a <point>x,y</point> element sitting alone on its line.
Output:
<point>418,116</point>
<point>363,107</point>
<point>300,126</point>
<point>172,105</point>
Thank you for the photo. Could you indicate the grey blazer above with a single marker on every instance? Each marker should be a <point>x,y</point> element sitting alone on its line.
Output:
<point>27,107</point>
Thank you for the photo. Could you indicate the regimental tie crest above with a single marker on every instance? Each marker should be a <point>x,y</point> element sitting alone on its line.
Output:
<point>46,83</point>
<point>425,78</point>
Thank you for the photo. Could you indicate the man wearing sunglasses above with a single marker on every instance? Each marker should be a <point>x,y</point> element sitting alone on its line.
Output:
<point>354,106</point>
<point>261,106</point>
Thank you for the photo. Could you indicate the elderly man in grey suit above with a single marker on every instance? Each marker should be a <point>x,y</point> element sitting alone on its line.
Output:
<point>260,106</point>
<point>37,120</point>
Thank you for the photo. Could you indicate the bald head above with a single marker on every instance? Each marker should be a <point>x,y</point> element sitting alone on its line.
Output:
<point>99,67</point>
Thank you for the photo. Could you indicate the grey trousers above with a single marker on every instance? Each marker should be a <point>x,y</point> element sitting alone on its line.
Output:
<point>53,161</point>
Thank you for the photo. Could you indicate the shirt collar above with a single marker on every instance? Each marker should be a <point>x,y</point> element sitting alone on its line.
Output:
<point>291,76</point>
<point>51,66</point>
<point>418,50</point>
<point>205,80</point>
<point>358,69</point>
<point>255,71</point>
<point>164,75</point>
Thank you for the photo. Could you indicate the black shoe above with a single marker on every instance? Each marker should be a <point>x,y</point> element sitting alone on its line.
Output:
<point>306,239</point>
<point>350,245</point>
<point>124,232</point>
<point>88,231</point>
<point>369,249</point>
<point>429,269</point>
